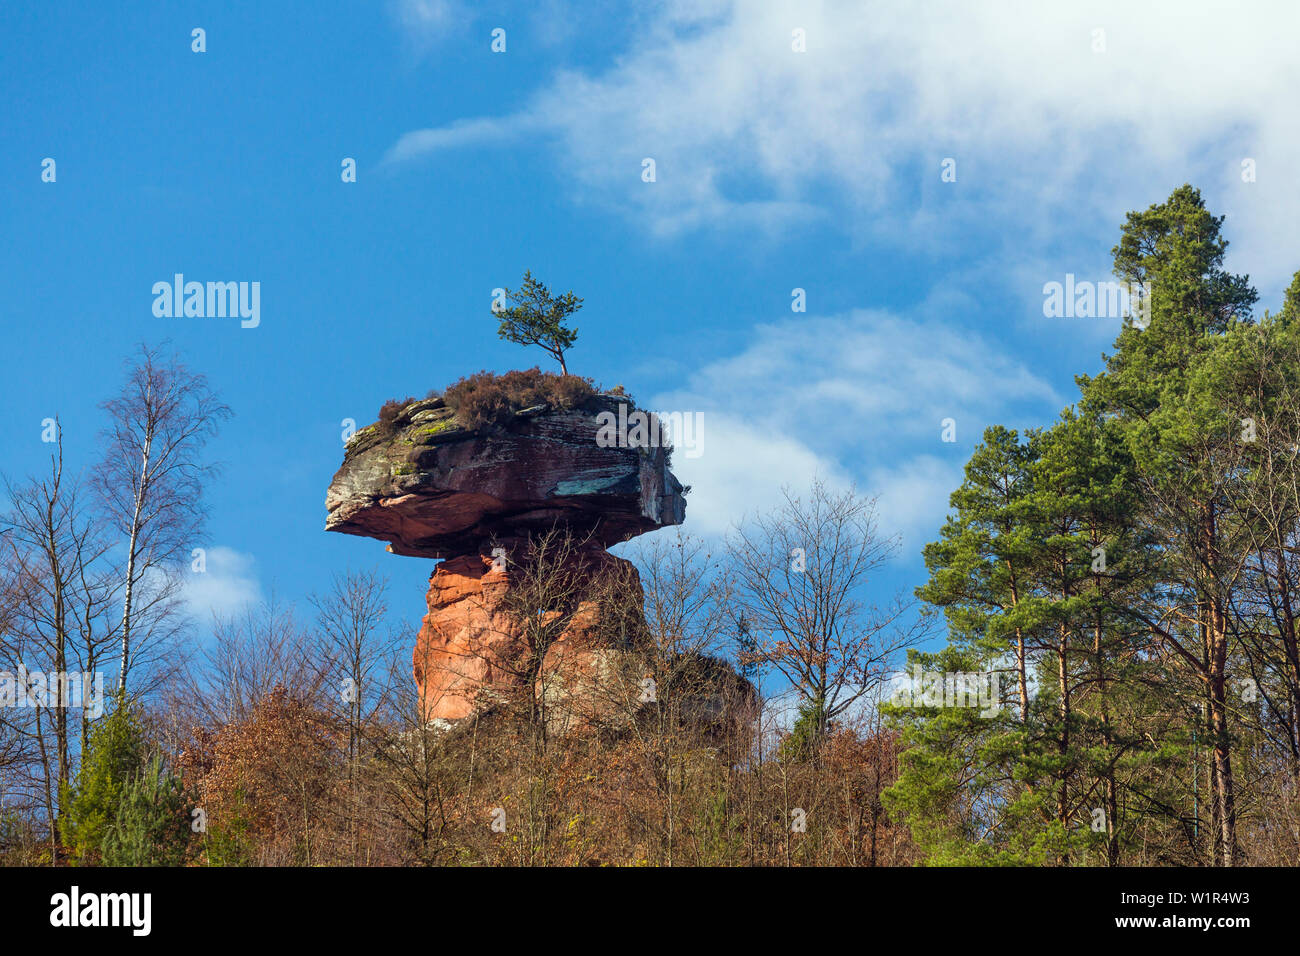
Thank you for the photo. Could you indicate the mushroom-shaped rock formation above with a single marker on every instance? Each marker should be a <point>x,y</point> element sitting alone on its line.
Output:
<point>432,488</point>
<point>475,499</point>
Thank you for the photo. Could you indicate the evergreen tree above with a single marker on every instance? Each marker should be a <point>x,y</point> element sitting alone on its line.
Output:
<point>1032,567</point>
<point>953,788</point>
<point>535,317</point>
<point>964,786</point>
<point>979,567</point>
<point>152,823</point>
<point>113,759</point>
<point>1291,301</point>
<point>1162,386</point>
<point>806,735</point>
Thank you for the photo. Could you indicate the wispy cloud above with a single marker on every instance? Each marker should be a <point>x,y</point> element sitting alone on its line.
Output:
<point>744,464</point>
<point>1053,125</point>
<point>426,23</point>
<point>857,398</point>
<point>228,583</point>
<point>428,16</point>
<point>462,133</point>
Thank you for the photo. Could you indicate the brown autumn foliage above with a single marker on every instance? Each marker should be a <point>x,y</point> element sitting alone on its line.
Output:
<point>273,778</point>
<point>668,790</point>
<point>671,758</point>
<point>389,411</point>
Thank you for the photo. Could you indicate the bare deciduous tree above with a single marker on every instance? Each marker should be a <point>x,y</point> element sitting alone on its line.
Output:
<point>354,647</point>
<point>151,483</point>
<point>684,703</point>
<point>60,595</point>
<point>801,574</point>
<point>248,655</point>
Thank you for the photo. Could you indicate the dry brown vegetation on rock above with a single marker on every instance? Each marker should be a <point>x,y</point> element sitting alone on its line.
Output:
<point>485,398</point>
<point>389,411</point>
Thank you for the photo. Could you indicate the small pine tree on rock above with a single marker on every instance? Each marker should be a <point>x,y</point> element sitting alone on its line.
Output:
<point>535,317</point>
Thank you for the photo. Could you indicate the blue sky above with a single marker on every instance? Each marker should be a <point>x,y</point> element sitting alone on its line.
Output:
<point>775,169</point>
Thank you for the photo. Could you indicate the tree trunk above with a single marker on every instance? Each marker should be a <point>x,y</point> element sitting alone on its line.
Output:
<point>1215,636</point>
<point>1063,689</point>
<point>129,591</point>
<point>1223,770</point>
<point>1107,736</point>
<point>1020,654</point>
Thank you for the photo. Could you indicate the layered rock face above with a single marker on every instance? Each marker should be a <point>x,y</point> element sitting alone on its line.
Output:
<point>433,489</point>
<point>471,649</point>
<point>476,500</point>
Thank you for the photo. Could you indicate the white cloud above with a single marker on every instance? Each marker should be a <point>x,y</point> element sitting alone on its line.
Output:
<point>743,465</point>
<point>228,584</point>
<point>427,15</point>
<point>1047,133</point>
<point>462,133</point>
<point>912,497</point>
<point>853,398</point>
<point>868,379</point>
<point>426,22</point>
